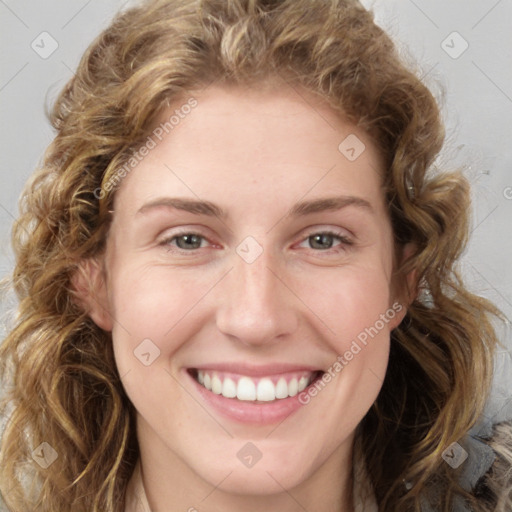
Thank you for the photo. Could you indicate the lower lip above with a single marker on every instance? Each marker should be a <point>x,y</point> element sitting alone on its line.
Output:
<point>249,412</point>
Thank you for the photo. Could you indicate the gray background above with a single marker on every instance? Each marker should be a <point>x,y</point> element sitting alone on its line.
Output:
<point>477,109</point>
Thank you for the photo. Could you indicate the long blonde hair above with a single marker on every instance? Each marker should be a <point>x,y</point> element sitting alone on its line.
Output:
<point>62,385</point>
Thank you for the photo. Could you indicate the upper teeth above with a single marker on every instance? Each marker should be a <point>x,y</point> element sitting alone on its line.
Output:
<point>249,389</point>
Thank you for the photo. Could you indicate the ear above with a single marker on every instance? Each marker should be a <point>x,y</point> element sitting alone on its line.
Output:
<point>90,287</point>
<point>405,292</point>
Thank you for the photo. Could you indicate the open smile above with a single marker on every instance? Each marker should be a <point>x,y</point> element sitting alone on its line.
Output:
<point>255,389</point>
<point>250,398</point>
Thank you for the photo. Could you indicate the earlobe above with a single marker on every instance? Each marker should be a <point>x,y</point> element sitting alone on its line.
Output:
<point>90,289</point>
<point>400,310</point>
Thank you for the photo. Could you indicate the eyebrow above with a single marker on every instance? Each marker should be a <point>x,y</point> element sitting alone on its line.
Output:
<point>303,208</point>
<point>189,205</point>
<point>328,203</point>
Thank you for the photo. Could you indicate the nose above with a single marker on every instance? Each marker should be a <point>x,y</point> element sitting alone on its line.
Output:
<point>254,305</point>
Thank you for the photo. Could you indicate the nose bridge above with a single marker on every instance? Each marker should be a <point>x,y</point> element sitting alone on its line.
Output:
<point>256,307</point>
<point>256,284</point>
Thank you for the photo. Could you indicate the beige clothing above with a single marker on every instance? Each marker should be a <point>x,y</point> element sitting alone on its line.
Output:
<point>364,501</point>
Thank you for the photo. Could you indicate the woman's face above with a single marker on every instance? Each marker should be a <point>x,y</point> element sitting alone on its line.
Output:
<point>251,249</point>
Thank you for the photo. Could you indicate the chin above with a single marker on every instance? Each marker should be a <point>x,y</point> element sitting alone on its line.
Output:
<point>258,480</point>
<point>241,468</point>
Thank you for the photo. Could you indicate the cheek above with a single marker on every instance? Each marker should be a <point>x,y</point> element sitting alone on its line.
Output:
<point>355,306</point>
<point>349,302</point>
<point>152,303</point>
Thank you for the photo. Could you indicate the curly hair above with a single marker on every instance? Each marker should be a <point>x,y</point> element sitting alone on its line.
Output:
<point>62,386</point>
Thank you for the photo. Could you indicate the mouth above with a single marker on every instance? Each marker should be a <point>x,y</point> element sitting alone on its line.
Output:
<point>257,390</point>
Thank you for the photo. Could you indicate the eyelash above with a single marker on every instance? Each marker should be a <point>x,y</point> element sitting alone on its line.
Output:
<point>345,242</point>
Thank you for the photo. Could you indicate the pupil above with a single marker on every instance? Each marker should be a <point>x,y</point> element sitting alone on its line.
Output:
<point>323,241</point>
<point>188,241</point>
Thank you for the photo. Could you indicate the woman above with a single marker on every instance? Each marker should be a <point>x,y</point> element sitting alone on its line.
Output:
<point>236,278</point>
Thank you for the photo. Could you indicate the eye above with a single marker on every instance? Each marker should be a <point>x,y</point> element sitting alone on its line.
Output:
<point>185,241</point>
<point>325,240</point>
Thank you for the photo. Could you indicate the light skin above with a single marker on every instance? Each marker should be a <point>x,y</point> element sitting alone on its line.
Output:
<point>255,154</point>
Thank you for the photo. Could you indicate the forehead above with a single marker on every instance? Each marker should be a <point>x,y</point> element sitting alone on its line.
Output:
<point>280,143</point>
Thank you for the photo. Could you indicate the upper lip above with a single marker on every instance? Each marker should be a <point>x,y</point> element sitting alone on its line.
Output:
<point>256,370</point>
